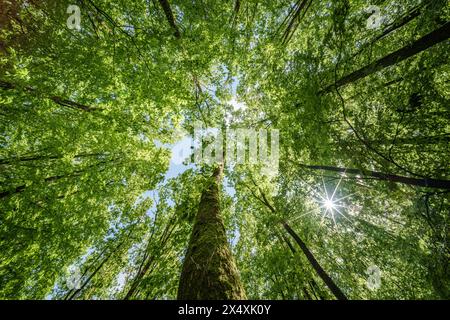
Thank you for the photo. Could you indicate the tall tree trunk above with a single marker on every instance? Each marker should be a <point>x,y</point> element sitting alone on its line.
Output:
<point>425,182</point>
<point>322,274</point>
<point>209,271</point>
<point>427,41</point>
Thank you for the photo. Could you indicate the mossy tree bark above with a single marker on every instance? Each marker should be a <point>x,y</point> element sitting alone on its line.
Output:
<point>209,271</point>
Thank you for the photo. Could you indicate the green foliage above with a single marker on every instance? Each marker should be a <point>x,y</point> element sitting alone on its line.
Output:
<point>85,115</point>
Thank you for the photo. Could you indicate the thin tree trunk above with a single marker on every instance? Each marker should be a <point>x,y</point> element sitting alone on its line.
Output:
<point>45,157</point>
<point>282,237</point>
<point>315,290</point>
<point>295,20</point>
<point>56,99</point>
<point>85,283</point>
<point>415,12</point>
<point>322,274</point>
<point>291,247</point>
<point>308,296</point>
<point>425,182</point>
<point>21,188</point>
<point>428,140</point>
<point>209,271</point>
<point>427,41</point>
<point>234,16</point>
<point>148,260</point>
<point>170,18</point>
<point>70,292</point>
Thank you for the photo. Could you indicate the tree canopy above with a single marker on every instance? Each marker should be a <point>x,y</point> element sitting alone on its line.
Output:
<point>91,106</point>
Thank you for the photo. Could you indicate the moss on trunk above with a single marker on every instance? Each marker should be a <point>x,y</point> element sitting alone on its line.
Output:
<point>209,271</point>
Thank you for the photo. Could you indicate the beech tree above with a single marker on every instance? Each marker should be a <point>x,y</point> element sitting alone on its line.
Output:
<point>97,202</point>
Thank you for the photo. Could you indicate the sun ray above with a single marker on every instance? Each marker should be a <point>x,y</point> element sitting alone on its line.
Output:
<point>337,186</point>
<point>325,187</point>
<point>334,220</point>
<point>343,215</point>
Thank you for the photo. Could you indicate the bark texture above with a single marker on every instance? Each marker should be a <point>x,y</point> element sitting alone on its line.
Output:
<point>209,271</point>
